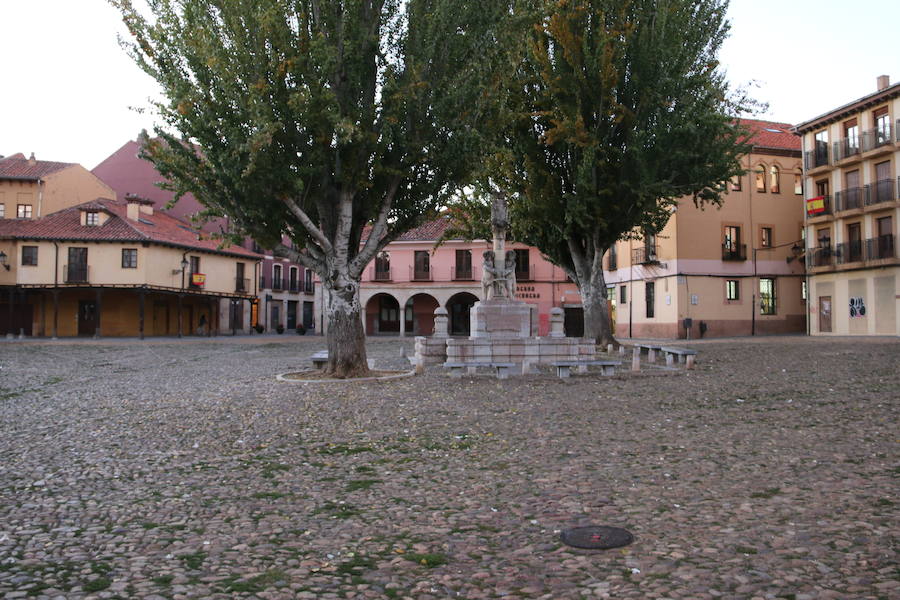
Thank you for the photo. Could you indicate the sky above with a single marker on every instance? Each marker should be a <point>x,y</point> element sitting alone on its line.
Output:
<point>68,92</point>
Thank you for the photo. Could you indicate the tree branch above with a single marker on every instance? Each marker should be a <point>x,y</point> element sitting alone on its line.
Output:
<point>373,243</point>
<point>314,231</point>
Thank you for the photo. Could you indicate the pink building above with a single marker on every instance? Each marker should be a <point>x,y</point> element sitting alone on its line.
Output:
<point>412,274</point>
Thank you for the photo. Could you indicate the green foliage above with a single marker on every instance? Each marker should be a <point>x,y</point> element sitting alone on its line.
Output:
<point>616,109</point>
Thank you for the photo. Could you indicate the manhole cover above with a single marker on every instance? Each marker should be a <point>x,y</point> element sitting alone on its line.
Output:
<point>596,537</point>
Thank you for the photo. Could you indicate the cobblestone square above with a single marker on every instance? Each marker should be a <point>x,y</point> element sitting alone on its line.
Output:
<point>165,469</point>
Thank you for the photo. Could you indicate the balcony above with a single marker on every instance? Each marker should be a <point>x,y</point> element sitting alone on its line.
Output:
<point>294,286</point>
<point>849,252</point>
<point>376,274</point>
<point>734,251</point>
<point>308,287</point>
<point>880,248</point>
<point>880,191</point>
<point>277,284</point>
<point>816,158</point>
<point>75,273</point>
<point>877,138</point>
<point>524,272</point>
<point>462,273</point>
<point>242,285</point>
<point>827,208</point>
<point>646,255</point>
<point>846,148</point>
<point>849,199</point>
<point>820,257</point>
<point>419,274</point>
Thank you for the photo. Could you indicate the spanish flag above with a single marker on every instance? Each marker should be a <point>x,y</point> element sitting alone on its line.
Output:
<point>815,206</point>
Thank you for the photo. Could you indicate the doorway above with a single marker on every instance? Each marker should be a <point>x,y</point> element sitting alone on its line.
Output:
<point>87,317</point>
<point>824,314</point>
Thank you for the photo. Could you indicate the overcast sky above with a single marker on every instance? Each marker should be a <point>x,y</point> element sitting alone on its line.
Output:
<point>68,90</point>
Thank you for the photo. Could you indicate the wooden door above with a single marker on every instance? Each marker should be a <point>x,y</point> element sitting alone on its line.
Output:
<point>824,314</point>
<point>87,317</point>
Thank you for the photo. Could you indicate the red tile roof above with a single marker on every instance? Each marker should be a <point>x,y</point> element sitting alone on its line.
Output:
<point>769,134</point>
<point>428,231</point>
<point>19,167</point>
<point>158,227</point>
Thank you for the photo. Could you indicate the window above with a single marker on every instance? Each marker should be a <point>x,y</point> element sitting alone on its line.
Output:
<point>294,279</point>
<point>854,242</point>
<point>824,237</point>
<point>761,179</point>
<point>92,218</point>
<point>821,151</point>
<point>612,262</point>
<point>129,258</point>
<point>798,184</point>
<point>766,296</point>
<point>623,298</point>
<point>822,187</point>
<point>523,264</point>
<point>23,211</point>
<point>241,284</point>
<point>882,126</point>
<point>774,184</point>
<point>732,248</point>
<point>736,183</point>
<point>732,289</point>
<point>421,266</point>
<point>650,296</point>
<point>383,267</point>
<point>2,211</point>
<point>803,290</point>
<point>307,281</point>
<point>463,264</point>
<point>276,277</point>
<point>765,237</point>
<point>850,146</point>
<point>29,256</point>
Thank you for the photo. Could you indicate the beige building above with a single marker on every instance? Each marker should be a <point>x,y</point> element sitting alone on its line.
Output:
<point>734,270</point>
<point>31,188</point>
<point>118,268</point>
<point>851,159</point>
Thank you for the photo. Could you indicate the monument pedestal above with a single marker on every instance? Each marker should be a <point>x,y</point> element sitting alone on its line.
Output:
<point>499,318</point>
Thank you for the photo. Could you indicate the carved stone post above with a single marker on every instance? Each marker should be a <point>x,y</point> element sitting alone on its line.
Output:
<point>557,321</point>
<point>440,322</point>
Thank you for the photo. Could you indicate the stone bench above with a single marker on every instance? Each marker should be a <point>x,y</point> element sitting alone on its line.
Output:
<point>502,368</point>
<point>320,359</point>
<point>651,349</point>
<point>563,367</point>
<point>685,355</point>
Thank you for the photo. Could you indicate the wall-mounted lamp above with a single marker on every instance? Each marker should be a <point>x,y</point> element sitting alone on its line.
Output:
<point>3,260</point>
<point>184,264</point>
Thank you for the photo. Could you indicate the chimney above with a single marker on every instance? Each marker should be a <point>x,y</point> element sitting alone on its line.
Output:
<point>133,209</point>
<point>883,82</point>
<point>32,160</point>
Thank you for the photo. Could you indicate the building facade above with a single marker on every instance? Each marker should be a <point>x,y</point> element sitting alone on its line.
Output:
<point>286,290</point>
<point>733,270</point>
<point>111,268</point>
<point>411,278</point>
<point>851,159</point>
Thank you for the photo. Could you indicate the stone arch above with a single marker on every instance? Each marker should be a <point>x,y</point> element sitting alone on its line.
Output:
<point>458,307</point>
<point>382,315</point>
<point>418,314</point>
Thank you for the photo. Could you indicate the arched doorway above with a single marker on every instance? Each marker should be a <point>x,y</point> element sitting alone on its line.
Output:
<point>419,314</point>
<point>382,315</point>
<point>458,307</point>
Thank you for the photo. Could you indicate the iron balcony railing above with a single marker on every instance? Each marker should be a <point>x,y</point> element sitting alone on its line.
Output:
<point>377,274</point>
<point>822,256</point>
<point>241,284</point>
<point>734,251</point>
<point>644,255</point>
<point>524,272</point>
<point>875,138</point>
<point>294,285</point>
<point>419,274</point>
<point>461,273</point>
<point>277,284</point>
<point>880,191</point>
<point>817,157</point>
<point>828,207</point>
<point>880,247</point>
<point>849,199</point>
<point>76,273</point>
<point>846,148</point>
<point>308,287</point>
<point>849,252</point>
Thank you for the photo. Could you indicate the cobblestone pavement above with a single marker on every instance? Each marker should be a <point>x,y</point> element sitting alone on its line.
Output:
<point>167,470</point>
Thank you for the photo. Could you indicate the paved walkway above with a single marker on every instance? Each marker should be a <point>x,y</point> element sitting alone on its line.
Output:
<point>183,470</point>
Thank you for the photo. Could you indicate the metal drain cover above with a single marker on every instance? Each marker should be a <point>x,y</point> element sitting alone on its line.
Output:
<point>596,537</point>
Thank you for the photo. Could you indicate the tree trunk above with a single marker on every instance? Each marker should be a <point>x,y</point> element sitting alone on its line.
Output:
<point>597,323</point>
<point>346,336</point>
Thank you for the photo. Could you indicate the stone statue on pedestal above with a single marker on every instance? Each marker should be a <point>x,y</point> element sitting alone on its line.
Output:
<point>498,278</point>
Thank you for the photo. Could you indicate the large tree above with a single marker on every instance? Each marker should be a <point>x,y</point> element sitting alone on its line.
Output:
<point>616,110</point>
<point>336,123</point>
